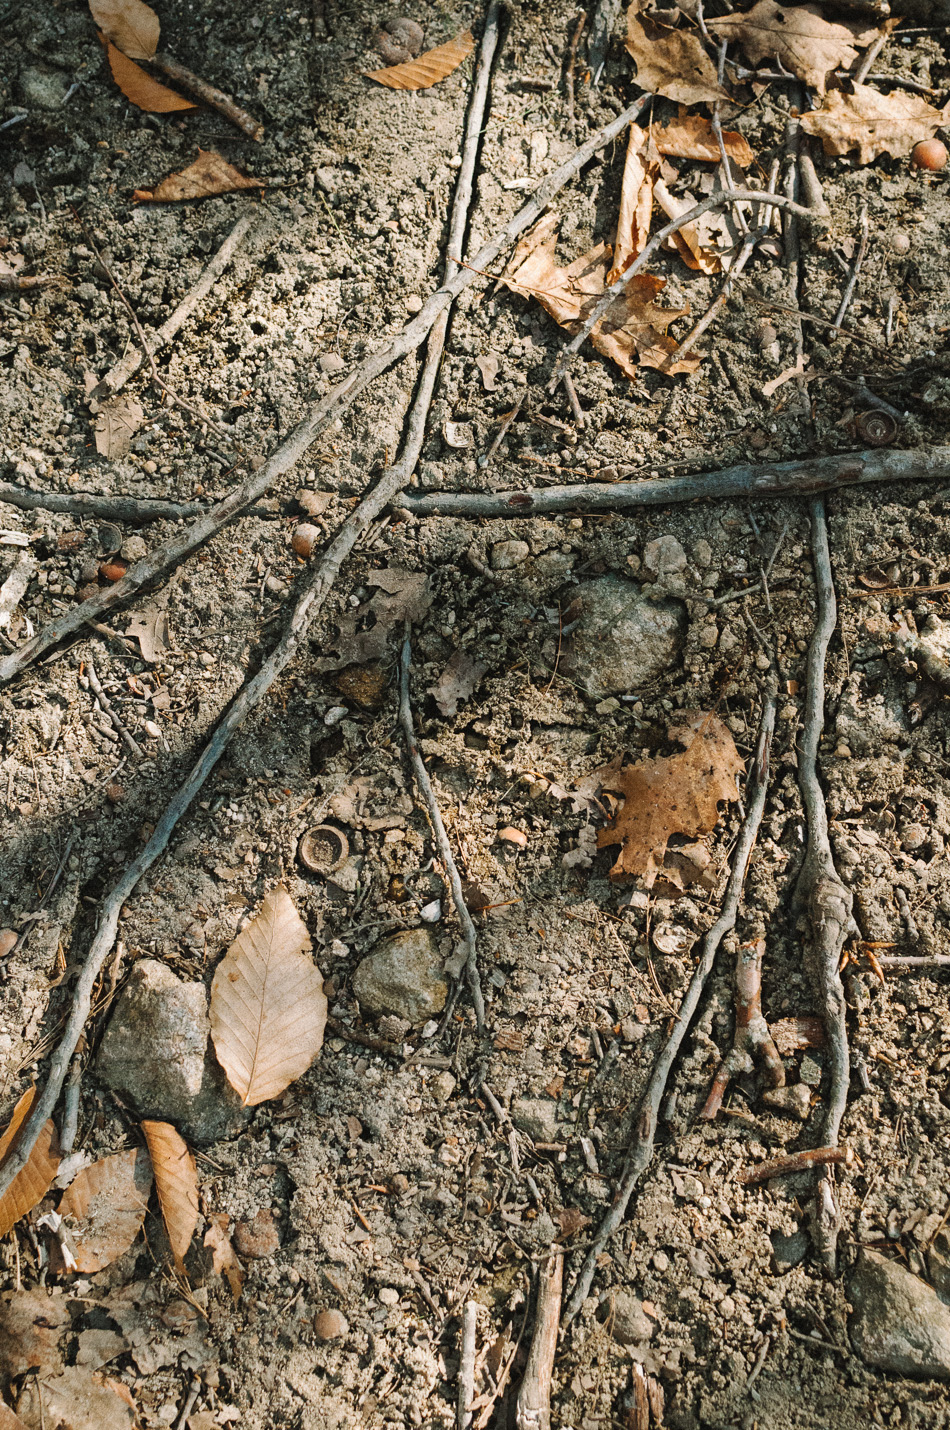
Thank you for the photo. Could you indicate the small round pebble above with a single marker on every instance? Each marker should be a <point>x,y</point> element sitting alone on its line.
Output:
<point>330,1325</point>
<point>389,1296</point>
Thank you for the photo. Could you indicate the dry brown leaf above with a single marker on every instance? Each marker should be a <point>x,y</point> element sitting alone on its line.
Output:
<point>268,1008</point>
<point>75,1400</point>
<point>636,202</point>
<point>429,68</point>
<point>632,331</point>
<point>670,62</point>
<point>692,136</point>
<point>153,633</point>
<point>31,1184</point>
<point>457,682</point>
<point>107,1204</point>
<point>873,123</point>
<point>808,45</point>
<point>206,178</point>
<point>139,87</point>
<point>31,1325</point>
<point>176,1182</point>
<point>130,25</point>
<point>118,420</point>
<point>223,1256</point>
<point>688,241</point>
<point>667,795</point>
<point>364,631</point>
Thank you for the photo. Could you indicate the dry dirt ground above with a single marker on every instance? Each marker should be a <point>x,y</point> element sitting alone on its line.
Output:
<point>382,1186</point>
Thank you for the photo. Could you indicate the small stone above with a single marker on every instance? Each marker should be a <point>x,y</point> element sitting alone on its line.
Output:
<point>413,303</point>
<point>536,1117</point>
<point>134,548</point>
<point>388,1296</point>
<point>43,88</point>
<point>608,706</point>
<point>274,586</point>
<point>399,1184</point>
<point>709,635</point>
<point>442,1086</point>
<point>313,503</point>
<point>794,1101</point>
<point>702,554</point>
<point>660,1262</point>
<point>403,976</point>
<point>810,1073</point>
<point>330,1325</point>
<point>625,1318</point>
<point>900,242</point>
<point>623,640</point>
<point>206,659</point>
<point>899,1322</point>
<point>842,752</point>
<point>663,556</point>
<point>788,1249</point>
<point>330,363</point>
<point>257,1238</point>
<point>506,554</point>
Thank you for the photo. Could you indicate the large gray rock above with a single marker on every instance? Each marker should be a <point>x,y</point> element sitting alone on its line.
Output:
<point>899,1322</point>
<point>157,1054</point>
<point>623,639</point>
<point>403,977</point>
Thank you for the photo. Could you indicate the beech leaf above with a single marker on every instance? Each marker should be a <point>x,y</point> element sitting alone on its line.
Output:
<point>130,25</point>
<point>428,68</point>
<point>873,123</point>
<point>107,1203</point>
<point>139,87</point>
<point>799,36</point>
<point>31,1184</point>
<point>670,62</point>
<point>223,1256</point>
<point>268,1009</point>
<point>667,795</point>
<point>176,1182</point>
<point>206,178</point>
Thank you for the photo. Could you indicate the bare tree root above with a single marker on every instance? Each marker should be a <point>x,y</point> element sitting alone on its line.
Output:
<point>822,901</point>
<point>803,477</point>
<point>641,1149</point>
<point>533,1406</point>
<point>165,558</point>
<point>752,1038</point>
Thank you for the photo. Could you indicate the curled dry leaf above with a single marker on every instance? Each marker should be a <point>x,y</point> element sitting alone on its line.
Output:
<point>689,241</point>
<point>130,25</point>
<point>223,1256</point>
<point>139,87</point>
<point>268,1009</point>
<point>670,62</point>
<point>31,1184</point>
<point>636,201</point>
<point>364,632</point>
<point>176,1182</point>
<point>873,123</point>
<point>799,36</point>
<point>632,331</point>
<point>429,68</point>
<point>691,136</point>
<point>77,1399</point>
<point>667,795</point>
<point>207,177</point>
<point>106,1205</point>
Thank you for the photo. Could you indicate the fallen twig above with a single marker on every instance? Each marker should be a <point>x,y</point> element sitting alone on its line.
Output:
<point>822,901</point>
<point>799,478</point>
<point>208,94</point>
<point>468,947</point>
<point>569,71</point>
<point>467,1366</point>
<point>796,1162</point>
<point>133,510</point>
<point>166,557</point>
<point>849,288</point>
<point>915,960</point>
<point>641,1149</point>
<point>117,376</point>
<point>533,1406</point>
<point>752,1038</point>
<point>106,706</point>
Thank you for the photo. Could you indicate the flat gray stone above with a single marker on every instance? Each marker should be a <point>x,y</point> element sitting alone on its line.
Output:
<point>899,1322</point>
<point>788,1249</point>
<point>536,1117</point>
<point>625,1318</point>
<point>157,1054</point>
<point>663,556</point>
<point>623,640</point>
<point>403,977</point>
<point>506,554</point>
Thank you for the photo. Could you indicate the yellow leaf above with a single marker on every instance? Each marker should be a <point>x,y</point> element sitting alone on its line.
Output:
<point>670,62</point>
<point>799,36</point>
<point>138,87</point>
<point>268,1009</point>
<point>207,177</point>
<point>132,26</point>
<point>223,1256</point>
<point>873,123</point>
<point>31,1184</point>
<point>176,1182</point>
<point>429,68</point>
<point>107,1204</point>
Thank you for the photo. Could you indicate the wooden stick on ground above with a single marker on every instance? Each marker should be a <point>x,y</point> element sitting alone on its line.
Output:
<point>208,94</point>
<point>533,1406</point>
<point>316,585</point>
<point>640,1153</point>
<point>463,1417</point>
<point>166,557</point>
<point>799,478</point>
<point>133,510</point>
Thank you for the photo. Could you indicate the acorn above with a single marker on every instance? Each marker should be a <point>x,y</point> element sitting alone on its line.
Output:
<point>305,539</point>
<point>929,154</point>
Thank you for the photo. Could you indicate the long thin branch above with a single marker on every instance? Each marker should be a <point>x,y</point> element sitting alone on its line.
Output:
<point>799,478</point>
<point>316,587</point>
<point>641,1149</point>
<point>441,837</point>
<point>133,510</point>
<point>166,557</point>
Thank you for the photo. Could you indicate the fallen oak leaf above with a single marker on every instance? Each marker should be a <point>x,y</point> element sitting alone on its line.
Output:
<point>130,25</point>
<point>457,682</point>
<point>176,1182</point>
<point>268,1008</point>
<point>30,1185</point>
<point>151,629</point>
<point>428,68</point>
<point>106,1204</point>
<point>670,62</point>
<point>139,87</point>
<point>206,178</point>
<point>873,123</point>
<point>805,43</point>
<point>687,241</point>
<point>691,136</point>
<point>224,1258</point>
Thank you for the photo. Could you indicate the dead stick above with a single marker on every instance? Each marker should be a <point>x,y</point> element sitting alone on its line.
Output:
<point>822,901</point>
<point>848,293</point>
<point>752,1038</point>
<point>117,376</point>
<point>569,72</point>
<point>441,837</point>
<point>641,1150</point>
<point>533,1406</point>
<point>467,1366</point>
<point>206,92</point>
<point>106,704</point>
<point>796,1162</point>
<point>134,510</point>
<point>916,960</point>
<point>316,586</point>
<point>166,557</point>
<point>771,479</point>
